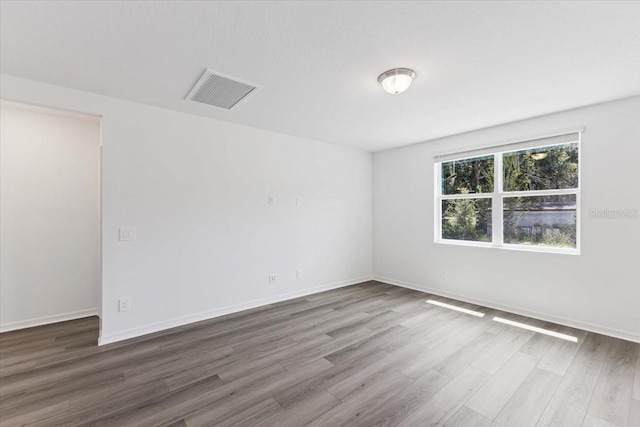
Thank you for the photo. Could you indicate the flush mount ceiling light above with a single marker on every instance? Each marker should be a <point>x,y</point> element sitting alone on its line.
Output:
<point>538,156</point>
<point>397,80</point>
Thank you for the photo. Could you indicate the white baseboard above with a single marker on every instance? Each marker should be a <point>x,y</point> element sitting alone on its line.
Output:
<point>599,329</point>
<point>205,315</point>
<point>45,320</point>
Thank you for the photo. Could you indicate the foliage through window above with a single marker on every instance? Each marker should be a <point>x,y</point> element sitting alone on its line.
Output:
<point>522,196</point>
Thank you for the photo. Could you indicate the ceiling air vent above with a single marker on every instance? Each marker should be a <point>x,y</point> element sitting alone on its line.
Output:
<point>220,91</point>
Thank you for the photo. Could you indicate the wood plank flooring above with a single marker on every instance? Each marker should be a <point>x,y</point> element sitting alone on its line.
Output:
<point>366,355</point>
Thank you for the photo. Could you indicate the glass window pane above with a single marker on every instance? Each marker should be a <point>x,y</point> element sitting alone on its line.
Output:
<point>466,219</point>
<point>473,175</point>
<point>540,221</point>
<point>547,168</point>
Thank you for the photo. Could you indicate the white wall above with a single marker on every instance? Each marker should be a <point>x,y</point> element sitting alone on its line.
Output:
<point>49,217</point>
<point>598,290</point>
<point>196,190</point>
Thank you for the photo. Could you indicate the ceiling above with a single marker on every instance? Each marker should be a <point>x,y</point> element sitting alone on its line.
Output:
<point>478,64</point>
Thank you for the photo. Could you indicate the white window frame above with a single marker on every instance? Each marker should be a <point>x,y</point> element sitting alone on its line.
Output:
<point>497,196</point>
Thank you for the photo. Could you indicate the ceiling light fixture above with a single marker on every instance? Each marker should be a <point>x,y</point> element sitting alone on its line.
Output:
<point>397,80</point>
<point>538,156</point>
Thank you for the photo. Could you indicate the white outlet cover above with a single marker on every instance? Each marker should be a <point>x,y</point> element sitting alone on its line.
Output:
<point>299,201</point>
<point>124,304</point>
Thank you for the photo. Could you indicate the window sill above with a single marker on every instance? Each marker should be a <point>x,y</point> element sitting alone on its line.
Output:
<point>521,248</point>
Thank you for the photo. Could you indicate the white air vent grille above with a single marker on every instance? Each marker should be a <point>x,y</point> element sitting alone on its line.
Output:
<point>219,91</point>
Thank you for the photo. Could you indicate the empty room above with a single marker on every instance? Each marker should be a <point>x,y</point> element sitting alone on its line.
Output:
<point>320,213</point>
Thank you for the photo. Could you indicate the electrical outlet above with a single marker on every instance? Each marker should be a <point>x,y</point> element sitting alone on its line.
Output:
<point>299,201</point>
<point>271,200</point>
<point>127,234</point>
<point>298,274</point>
<point>124,304</point>
<point>272,278</point>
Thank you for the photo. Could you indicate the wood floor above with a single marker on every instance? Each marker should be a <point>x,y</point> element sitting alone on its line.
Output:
<point>366,355</point>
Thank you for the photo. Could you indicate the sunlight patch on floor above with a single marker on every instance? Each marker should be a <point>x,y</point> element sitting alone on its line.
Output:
<point>536,329</point>
<point>453,307</point>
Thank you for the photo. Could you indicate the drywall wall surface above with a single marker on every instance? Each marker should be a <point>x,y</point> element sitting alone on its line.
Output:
<point>49,217</point>
<point>197,193</point>
<point>597,290</point>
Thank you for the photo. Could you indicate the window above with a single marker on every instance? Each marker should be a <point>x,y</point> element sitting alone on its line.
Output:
<point>521,196</point>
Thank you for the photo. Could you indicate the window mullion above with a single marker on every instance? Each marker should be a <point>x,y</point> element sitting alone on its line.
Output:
<point>531,193</point>
<point>467,196</point>
<point>437,180</point>
<point>496,202</point>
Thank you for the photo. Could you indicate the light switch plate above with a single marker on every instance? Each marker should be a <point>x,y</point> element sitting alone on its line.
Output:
<point>127,234</point>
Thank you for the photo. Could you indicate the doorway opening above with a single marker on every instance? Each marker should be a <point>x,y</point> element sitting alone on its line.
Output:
<point>50,215</point>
